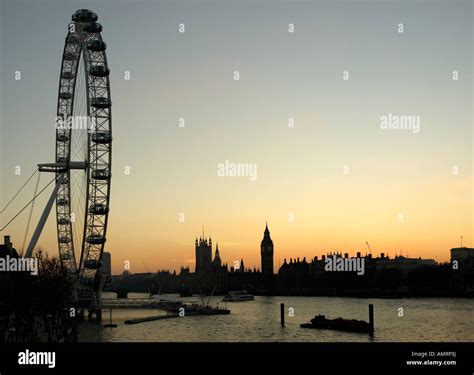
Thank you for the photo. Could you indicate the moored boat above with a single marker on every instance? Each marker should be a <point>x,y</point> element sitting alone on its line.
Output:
<point>238,297</point>
<point>339,324</point>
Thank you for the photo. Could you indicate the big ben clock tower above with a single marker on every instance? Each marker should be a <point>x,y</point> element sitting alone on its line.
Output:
<point>266,251</point>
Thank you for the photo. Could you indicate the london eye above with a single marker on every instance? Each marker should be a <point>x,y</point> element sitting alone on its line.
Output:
<point>83,158</point>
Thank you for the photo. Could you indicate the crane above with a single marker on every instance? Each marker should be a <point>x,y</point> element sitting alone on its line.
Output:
<point>368,247</point>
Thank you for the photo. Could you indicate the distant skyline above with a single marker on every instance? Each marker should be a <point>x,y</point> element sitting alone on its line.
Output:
<point>330,183</point>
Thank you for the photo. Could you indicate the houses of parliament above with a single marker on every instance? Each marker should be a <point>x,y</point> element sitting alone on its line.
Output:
<point>384,275</point>
<point>211,271</point>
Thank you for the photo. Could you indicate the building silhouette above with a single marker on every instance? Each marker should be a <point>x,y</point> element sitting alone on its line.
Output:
<point>464,270</point>
<point>382,275</point>
<point>203,255</point>
<point>7,249</point>
<point>462,254</point>
<point>217,262</point>
<point>106,264</point>
<point>266,251</point>
<point>209,273</point>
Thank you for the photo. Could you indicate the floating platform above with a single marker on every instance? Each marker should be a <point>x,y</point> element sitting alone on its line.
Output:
<point>208,311</point>
<point>196,312</point>
<point>151,318</point>
<point>125,303</point>
<point>339,324</point>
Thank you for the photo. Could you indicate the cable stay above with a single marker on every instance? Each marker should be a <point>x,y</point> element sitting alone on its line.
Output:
<point>31,214</point>
<point>14,217</point>
<point>18,192</point>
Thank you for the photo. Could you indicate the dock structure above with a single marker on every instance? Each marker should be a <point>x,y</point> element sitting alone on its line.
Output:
<point>151,318</point>
<point>371,319</point>
<point>282,314</point>
<point>174,309</point>
<point>135,304</point>
<point>202,311</point>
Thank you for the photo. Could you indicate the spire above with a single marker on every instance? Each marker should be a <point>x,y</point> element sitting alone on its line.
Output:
<point>217,262</point>
<point>267,241</point>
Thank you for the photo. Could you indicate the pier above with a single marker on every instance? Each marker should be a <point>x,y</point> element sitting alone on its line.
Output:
<point>175,309</point>
<point>131,304</point>
<point>151,318</point>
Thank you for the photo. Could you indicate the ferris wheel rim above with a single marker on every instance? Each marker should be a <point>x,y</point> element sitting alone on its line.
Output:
<point>84,41</point>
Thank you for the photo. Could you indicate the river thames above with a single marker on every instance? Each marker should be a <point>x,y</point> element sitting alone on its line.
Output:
<point>423,320</point>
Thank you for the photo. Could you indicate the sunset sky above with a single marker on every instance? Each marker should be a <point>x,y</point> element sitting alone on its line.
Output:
<point>400,193</point>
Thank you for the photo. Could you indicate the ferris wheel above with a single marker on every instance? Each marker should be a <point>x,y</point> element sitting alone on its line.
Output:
<point>83,155</point>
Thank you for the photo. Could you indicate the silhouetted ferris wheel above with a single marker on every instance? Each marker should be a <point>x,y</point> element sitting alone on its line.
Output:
<point>83,156</point>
